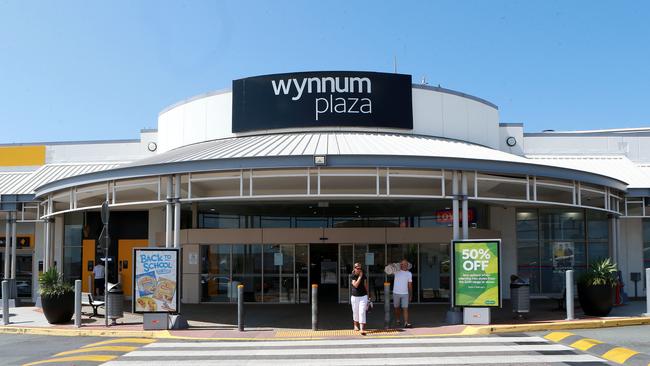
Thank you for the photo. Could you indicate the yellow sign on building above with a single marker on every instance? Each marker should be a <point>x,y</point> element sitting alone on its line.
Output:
<point>22,155</point>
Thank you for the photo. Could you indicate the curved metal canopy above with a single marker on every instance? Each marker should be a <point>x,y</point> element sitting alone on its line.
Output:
<point>343,149</point>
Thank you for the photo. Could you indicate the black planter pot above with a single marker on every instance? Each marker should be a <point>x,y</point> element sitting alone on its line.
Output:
<point>596,300</point>
<point>58,309</point>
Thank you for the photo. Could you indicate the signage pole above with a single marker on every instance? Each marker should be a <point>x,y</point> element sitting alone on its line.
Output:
<point>106,274</point>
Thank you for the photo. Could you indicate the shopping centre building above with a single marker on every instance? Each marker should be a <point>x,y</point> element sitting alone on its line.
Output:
<point>287,180</point>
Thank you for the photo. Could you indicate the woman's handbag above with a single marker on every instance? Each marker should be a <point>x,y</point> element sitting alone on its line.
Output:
<point>370,306</point>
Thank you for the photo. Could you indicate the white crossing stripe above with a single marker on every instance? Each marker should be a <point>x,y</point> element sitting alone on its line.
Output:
<point>336,342</point>
<point>347,351</point>
<point>356,352</point>
<point>398,361</point>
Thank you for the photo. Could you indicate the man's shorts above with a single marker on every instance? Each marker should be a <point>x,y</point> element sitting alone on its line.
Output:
<point>401,300</point>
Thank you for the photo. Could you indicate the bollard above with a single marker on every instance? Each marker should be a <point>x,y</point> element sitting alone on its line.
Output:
<point>240,307</point>
<point>314,307</point>
<point>5,302</point>
<point>647,291</point>
<point>77,303</point>
<point>569,295</point>
<point>386,305</point>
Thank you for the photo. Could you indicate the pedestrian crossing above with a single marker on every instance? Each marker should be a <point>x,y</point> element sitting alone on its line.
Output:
<point>491,350</point>
<point>94,353</point>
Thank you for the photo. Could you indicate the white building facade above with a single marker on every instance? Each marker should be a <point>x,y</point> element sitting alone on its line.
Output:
<point>287,180</point>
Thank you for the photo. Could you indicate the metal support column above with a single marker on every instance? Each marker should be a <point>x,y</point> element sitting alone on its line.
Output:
<point>465,210</point>
<point>177,211</point>
<point>455,213</point>
<point>168,212</point>
<point>7,270</point>
<point>14,243</point>
<point>46,243</point>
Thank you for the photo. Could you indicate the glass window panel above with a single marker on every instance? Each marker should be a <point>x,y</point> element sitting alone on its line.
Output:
<point>275,222</point>
<point>348,222</point>
<point>61,202</point>
<point>528,263</point>
<point>247,259</point>
<point>134,190</point>
<point>598,251</point>
<point>71,263</point>
<point>634,208</point>
<point>311,222</point>
<point>554,194</point>
<point>278,286</point>
<point>348,185</point>
<point>218,221</point>
<point>345,268</point>
<point>216,285</point>
<point>562,225</point>
<point>383,222</point>
<point>415,186</point>
<point>279,186</point>
<point>91,195</point>
<point>421,172</point>
<point>597,226</point>
<point>252,287</point>
<point>302,273</point>
<point>527,225</point>
<point>216,188</point>
<point>434,272</point>
<point>592,199</point>
<point>397,252</point>
<point>501,189</point>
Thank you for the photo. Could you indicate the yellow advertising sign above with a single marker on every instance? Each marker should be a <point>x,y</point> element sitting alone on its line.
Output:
<point>22,155</point>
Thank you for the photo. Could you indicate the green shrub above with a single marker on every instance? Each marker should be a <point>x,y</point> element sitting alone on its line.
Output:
<point>602,272</point>
<point>52,284</point>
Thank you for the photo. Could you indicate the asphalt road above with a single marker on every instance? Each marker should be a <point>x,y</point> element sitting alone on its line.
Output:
<point>18,349</point>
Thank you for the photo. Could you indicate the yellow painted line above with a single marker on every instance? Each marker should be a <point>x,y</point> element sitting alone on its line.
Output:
<point>91,358</point>
<point>585,343</point>
<point>557,336</point>
<point>83,332</point>
<point>619,354</point>
<point>98,349</point>
<point>121,340</point>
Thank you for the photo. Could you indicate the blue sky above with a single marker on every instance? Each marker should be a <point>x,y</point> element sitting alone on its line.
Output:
<point>84,70</point>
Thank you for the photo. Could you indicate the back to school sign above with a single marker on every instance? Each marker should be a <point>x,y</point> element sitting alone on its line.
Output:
<point>476,273</point>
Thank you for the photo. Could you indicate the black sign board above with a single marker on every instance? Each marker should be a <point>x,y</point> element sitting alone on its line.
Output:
<point>322,99</point>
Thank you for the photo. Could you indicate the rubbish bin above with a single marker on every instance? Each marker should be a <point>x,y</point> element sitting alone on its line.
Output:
<point>114,302</point>
<point>520,297</point>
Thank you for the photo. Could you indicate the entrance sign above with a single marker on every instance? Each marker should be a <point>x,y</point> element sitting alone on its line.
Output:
<point>475,273</point>
<point>155,280</point>
<point>322,99</point>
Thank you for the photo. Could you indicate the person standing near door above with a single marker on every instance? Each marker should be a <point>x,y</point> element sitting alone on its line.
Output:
<point>99,272</point>
<point>403,293</point>
<point>359,298</point>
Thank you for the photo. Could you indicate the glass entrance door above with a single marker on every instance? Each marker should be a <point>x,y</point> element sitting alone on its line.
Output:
<point>323,263</point>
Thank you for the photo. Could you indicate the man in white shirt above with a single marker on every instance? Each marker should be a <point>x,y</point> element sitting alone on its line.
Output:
<point>403,293</point>
<point>99,273</point>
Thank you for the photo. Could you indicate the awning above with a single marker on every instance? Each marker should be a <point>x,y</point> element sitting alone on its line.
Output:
<point>343,149</point>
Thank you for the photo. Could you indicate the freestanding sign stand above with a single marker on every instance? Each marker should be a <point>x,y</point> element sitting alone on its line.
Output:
<point>476,280</point>
<point>156,279</point>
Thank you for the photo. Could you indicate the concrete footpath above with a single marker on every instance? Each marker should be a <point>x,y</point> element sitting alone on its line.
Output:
<point>272,321</point>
